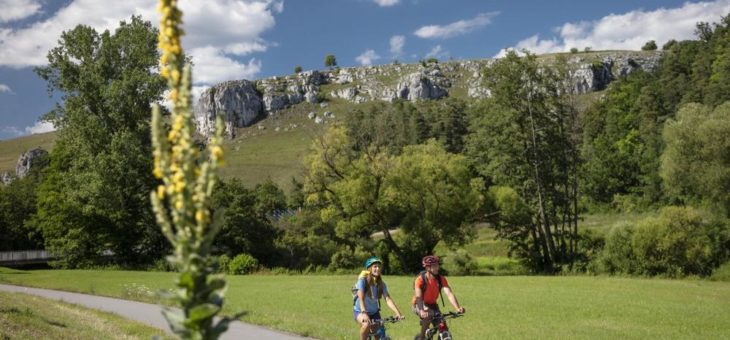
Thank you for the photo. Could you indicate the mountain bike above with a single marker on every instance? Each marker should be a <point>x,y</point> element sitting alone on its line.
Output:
<point>377,328</point>
<point>438,328</point>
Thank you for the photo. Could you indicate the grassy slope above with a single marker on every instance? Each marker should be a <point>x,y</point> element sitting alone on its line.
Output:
<point>497,307</point>
<point>30,317</point>
<point>10,150</point>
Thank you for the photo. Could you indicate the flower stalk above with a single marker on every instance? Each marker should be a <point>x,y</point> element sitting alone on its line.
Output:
<point>182,201</point>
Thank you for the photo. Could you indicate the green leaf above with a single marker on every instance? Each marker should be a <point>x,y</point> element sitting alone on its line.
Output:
<point>202,312</point>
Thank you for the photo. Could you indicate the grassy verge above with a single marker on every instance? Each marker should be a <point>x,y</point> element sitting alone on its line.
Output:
<point>498,307</point>
<point>30,317</point>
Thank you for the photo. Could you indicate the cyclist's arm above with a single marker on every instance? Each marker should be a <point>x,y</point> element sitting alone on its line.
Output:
<point>392,306</point>
<point>452,298</point>
<point>419,294</point>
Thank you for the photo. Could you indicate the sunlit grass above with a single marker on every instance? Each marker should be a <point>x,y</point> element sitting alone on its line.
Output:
<point>497,307</point>
<point>30,317</point>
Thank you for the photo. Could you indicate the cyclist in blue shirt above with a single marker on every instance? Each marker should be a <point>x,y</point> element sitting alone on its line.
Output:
<point>370,288</point>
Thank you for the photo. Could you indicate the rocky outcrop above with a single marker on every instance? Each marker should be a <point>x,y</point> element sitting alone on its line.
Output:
<point>237,101</point>
<point>595,76</point>
<point>6,178</point>
<point>30,160</point>
<point>244,102</point>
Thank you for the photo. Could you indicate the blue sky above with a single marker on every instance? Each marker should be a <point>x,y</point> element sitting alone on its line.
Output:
<point>251,39</point>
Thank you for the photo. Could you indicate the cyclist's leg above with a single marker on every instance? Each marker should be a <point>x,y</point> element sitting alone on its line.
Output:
<point>364,328</point>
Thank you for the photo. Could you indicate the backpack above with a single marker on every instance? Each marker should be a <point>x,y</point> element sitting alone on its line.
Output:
<point>364,274</point>
<point>424,285</point>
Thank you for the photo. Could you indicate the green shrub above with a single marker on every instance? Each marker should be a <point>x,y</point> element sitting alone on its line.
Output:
<point>459,262</point>
<point>242,264</point>
<point>721,273</point>
<point>223,262</point>
<point>618,255</point>
<point>574,50</point>
<point>680,242</point>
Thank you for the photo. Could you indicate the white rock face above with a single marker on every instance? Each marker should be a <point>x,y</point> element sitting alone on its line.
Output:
<point>5,178</point>
<point>27,161</point>
<point>237,101</point>
<point>243,102</point>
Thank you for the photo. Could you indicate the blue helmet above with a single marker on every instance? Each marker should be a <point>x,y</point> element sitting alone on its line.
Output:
<point>373,259</point>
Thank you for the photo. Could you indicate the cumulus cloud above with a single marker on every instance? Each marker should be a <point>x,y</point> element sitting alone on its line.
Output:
<point>628,31</point>
<point>231,28</point>
<point>367,57</point>
<point>39,127</point>
<point>212,66</point>
<point>437,52</point>
<point>17,9</point>
<point>396,45</point>
<point>455,28</point>
<point>386,3</point>
<point>5,88</point>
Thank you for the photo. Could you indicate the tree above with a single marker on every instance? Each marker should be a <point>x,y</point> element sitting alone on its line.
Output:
<point>330,61</point>
<point>649,46</point>
<point>94,196</point>
<point>17,207</point>
<point>573,50</point>
<point>425,191</point>
<point>297,69</point>
<point>245,225</point>
<point>695,164</point>
<point>525,139</point>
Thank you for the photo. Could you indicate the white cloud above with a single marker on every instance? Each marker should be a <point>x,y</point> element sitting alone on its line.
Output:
<point>220,31</point>
<point>5,88</point>
<point>455,28</point>
<point>367,57</point>
<point>396,45</point>
<point>213,66</point>
<point>386,3</point>
<point>39,127</point>
<point>628,31</point>
<point>17,9</point>
<point>437,52</point>
<point>11,130</point>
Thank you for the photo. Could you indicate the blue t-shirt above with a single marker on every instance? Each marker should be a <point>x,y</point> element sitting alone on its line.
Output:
<point>371,304</point>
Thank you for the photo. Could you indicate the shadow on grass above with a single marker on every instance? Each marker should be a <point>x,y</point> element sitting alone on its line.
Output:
<point>29,314</point>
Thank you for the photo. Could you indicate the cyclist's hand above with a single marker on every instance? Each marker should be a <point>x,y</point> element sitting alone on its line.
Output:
<point>400,317</point>
<point>423,314</point>
<point>462,310</point>
<point>365,318</point>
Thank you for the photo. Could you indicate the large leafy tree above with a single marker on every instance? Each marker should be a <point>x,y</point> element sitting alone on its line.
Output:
<point>695,165</point>
<point>425,193</point>
<point>524,139</point>
<point>95,197</point>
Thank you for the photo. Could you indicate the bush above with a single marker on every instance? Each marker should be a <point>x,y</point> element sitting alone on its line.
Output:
<point>679,242</point>
<point>459,262</point>
<point>223,262</point>
<point>722,273</point>
<point>574,50</point>
<point>617,255</point>
<point>242,264</point>
<point>649,46</point>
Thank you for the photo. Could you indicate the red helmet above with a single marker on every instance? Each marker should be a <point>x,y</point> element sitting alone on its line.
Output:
<point>430,260</point>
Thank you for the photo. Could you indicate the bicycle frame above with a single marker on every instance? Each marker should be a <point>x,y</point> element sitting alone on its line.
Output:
<point>377,328</point>
<point>438,326</point>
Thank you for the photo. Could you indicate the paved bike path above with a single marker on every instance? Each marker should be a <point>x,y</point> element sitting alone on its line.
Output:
<point>145,312</point>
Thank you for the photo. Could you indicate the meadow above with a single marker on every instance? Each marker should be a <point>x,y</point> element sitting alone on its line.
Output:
<point>25,316</point>
<point>498,307</point>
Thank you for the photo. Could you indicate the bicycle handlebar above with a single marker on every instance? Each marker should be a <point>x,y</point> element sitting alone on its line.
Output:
<point>449,315</point>
<point>380,322</point>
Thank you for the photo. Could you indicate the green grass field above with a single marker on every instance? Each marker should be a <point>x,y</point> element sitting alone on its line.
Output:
<point>25,316</point>
<point>517,307</point>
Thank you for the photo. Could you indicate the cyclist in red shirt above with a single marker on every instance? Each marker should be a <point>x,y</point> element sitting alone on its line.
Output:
<point>425,300</point>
